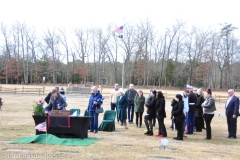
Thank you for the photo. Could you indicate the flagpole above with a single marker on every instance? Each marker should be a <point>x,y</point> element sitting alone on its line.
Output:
<point>123,73</point>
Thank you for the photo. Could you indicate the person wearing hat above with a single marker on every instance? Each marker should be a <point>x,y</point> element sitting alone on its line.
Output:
<point>150,113</point>
<point>1,102</point>
<point>62,93</point>
<point>122,102</point>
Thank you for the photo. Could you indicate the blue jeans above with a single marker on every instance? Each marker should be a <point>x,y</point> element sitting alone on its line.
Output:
<point>130,111</point>
<point>94,121</point>
<point>185,123</point>
<point>191,116</point>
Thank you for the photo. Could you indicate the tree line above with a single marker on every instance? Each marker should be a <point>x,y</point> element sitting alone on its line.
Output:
<point>179,56</point>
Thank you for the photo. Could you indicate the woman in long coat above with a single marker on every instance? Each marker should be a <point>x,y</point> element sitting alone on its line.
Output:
<point>150,113</point>
<point>161,114</point>
<point>199,110</point>
<point>139,107</point>
<point>122,107</point>
<point>178,116</point>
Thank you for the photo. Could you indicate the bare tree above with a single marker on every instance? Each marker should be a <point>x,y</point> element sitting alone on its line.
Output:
<point>52,41</point>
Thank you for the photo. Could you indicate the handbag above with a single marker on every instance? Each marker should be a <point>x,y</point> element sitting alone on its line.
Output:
<point>99,110</point>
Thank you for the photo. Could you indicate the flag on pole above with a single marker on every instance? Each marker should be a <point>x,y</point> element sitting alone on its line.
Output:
<point>119,30</point>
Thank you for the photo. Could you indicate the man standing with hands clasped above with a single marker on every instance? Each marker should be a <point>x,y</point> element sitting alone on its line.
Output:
<point>232,106</point>
<point>130,94</point>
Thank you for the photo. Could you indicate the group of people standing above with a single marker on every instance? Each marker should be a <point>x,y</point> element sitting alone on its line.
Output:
<point>132,101</point>
<point>191,110</point>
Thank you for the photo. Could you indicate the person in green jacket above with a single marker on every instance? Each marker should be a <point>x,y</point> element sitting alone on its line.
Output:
<point>122,102</point>
<point>139,102</point>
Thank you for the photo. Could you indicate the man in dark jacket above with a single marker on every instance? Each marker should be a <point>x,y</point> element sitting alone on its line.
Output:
<point>56,102</point>
<point>131,94</point>
<point>47,99</point>
<point>232,113</point>
<point>192,99</point>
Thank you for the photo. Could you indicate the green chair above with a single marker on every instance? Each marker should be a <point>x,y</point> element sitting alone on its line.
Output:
<point>74,110</point>
<point>108,123</point>
<point>86,113</point>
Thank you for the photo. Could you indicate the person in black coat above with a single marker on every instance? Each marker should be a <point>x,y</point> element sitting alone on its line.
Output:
<point>150,113</point>
<point>199,110</point>
<point>161,114</point>
<point>178,116</point>
<point>192,99</point>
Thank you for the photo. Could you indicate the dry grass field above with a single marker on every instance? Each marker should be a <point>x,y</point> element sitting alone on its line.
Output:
<point>16,122</point>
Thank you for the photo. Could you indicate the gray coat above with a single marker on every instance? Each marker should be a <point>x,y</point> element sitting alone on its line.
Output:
<point>131,94</point>
<point>209,105</point>
<point>53,103</point>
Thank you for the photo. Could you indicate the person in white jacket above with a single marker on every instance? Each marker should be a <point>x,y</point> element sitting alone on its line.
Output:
<point>186,108</point>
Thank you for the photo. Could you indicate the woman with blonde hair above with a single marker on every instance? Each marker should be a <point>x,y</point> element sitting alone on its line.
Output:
<point>199,110</point>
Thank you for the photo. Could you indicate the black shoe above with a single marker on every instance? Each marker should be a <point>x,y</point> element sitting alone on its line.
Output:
<point>180,139</point>
<point>175,138</point>
<point>229,137</point>
<point>150,134</point>
<point>234,137</point>
<point>147,133</point>
<point>207,138</point>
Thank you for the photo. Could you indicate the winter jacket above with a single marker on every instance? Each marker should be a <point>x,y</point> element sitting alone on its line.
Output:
<point>47,99</point>
<point>185,102</point>
<point>55,102</point>
<point>177,112</point>
<point>131,94</point>
<point>94,97</point>
<point>160,108</point>
<point>139,104</point>
<point>199,109</point>
<point>209,105</point>
<point>192,99</point>
<point>151,108</point>
<point>122,107</point>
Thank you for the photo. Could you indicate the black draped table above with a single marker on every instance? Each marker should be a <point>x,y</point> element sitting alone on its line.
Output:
<point>78,126</point>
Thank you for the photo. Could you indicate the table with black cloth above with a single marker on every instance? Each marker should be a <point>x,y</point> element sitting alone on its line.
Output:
<point>78,126</point>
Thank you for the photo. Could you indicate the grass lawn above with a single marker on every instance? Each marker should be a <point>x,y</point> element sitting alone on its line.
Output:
<point>16,121</point>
